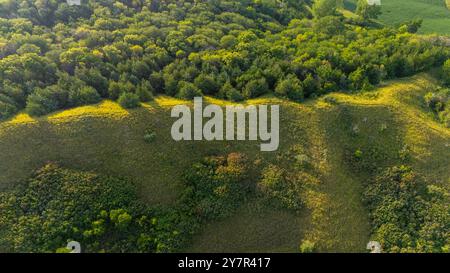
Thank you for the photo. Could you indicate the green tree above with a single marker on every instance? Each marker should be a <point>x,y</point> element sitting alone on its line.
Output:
<point>207,84</point>
<point>307,247</point>
<point>188,90</point>
<point>231,93</point>
<point>7,110</point>
<point>367,11</point>
<point>43,101</point>
<point>94,78</point>
<point>120,218</point>
<point>255,88</point>
<point>87,95</point>
<point>145,91</point>
<point>322,8</point>
<point>446,72</point>
<point>290,87</point>
<point>128,100</point>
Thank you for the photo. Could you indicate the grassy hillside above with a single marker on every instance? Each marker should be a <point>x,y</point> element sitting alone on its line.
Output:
<point>107,139</point>
<point>435,14</point>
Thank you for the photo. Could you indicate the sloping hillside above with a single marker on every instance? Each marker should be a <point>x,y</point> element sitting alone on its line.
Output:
<point>105,138</point>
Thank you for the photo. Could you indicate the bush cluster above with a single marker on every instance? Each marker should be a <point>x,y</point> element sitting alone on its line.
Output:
<point>406,214</point>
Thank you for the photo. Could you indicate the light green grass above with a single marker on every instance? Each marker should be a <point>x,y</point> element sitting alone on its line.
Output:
<point>435,14</point>
<point>108,139</point>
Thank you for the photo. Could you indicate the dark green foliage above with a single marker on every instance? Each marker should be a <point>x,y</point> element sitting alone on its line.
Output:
<point>367,159</point>
<point>129,100</point>
<point>102,213</point>
<point>43,101</point>
<point>367,11</point>
<point>86,95</point>
<point>217,185</point>
<point>406,215</point>
<point>170,85</point>
<point>69,91</point>
<point>94,78</point>
<point>149,136</point>
<point>329,25</point>
<point>439,103</point>
<point>310,86</point>
<point>307,247</point>
<point>188,91</point>
<point>291,87</point>
<point>322,8</point>
<point>231,93</point>
<point>56,205</point>
<point>6,110</point>
<point>114,90</point>
<point>280,188</point>
<point>145,91</point>
<point>255,88</point>
<point>207,84</point>
<point>446,72</point>
<point>253,45</point>
<point>413,26</point>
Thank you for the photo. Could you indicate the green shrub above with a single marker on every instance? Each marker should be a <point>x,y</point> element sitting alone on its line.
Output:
<point>121,218</point>
<point>43,101</point>
<point>438,102</point>
<point>7,110</point>
<point>446,72</point>
<point>330,100</point>
<point>102,213</point>
<point>278,187</point>
<point>435,101</point>
<point>188,91</point>
<point>307,247</point>
<point>291,87</point>
<point>367,11</point>
<point>34,216</point>
<point>207,84</point>
<point>231,93</point>
<point>114,90</point>
<point>366,159</point>
<point>149,136</point>
<point>129,100</point>
<point>93,77</point>
<point>145,91</point>
<point>216,185</point>
<point>444,116</point>
<point>86,95</point>
<point>255,88</point>
<point>358,154</point>
<point>407,215</point>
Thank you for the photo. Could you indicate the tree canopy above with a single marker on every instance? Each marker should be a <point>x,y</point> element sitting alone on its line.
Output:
<point>229,49</point>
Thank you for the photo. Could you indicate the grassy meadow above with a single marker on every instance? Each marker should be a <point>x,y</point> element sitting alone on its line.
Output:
<point>108,139</point>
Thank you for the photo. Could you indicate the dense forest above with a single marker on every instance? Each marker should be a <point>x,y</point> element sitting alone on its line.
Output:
<point>55,56</point>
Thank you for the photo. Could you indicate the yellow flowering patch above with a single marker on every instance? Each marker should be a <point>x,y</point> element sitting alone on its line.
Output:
<point>106,108</point>
<point>166,101</point>
<point>22,118</point>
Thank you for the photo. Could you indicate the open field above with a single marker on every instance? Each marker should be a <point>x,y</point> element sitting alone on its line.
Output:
<point>435,14</point>
<point>105,138</point>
